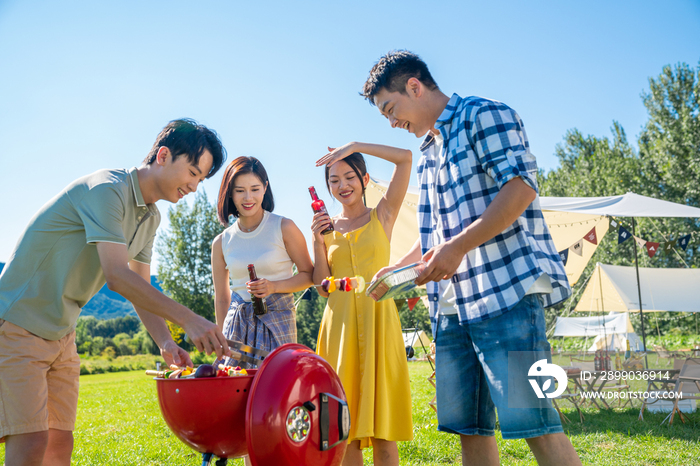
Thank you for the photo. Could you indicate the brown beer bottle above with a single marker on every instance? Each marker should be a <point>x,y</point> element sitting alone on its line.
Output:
<point>259,304</point>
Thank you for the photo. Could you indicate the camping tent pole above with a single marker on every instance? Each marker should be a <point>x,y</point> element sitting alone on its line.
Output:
<point>602,306</point>
<point>639,290</point>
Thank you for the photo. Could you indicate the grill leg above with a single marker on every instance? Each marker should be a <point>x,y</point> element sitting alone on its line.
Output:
<point>206,459</point>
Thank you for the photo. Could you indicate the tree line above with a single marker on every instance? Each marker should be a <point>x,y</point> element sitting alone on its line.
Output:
<point>121,336</point>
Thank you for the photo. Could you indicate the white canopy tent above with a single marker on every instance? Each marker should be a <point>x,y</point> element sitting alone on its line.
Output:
<point>595,325</point>
<point>613,288</point>
<point>626,205</point>
<point>616,342</point>
<point>614,328</point>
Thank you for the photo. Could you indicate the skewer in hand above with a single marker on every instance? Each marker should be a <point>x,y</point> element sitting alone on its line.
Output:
<point>331,284</point>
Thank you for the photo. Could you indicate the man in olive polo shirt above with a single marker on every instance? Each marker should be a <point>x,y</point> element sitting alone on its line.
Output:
<point>100,229</point>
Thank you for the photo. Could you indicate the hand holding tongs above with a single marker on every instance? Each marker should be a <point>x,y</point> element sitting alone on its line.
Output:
<point>236,352</point>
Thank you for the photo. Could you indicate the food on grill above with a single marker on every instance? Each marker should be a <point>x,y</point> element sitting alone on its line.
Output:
<point>205,370</point>
<point>174,372</point>
<point>230,371</point>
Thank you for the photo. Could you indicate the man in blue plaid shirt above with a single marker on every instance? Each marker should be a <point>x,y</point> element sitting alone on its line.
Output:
<point>491,264</point>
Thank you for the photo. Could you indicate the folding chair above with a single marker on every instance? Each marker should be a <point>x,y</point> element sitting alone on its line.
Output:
<point>661,385</point>
<point>432,403</point>
<point>687,385</point>
<point>600,385</point>
<point>663,353</point>
<point>570,396</point>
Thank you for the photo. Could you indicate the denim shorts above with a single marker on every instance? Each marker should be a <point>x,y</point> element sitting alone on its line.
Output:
<point>472,373</point>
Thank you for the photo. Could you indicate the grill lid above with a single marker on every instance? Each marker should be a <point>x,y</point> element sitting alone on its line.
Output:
<point>297,411</point>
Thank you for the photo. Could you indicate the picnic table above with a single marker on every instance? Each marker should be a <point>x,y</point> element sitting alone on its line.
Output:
<point>689,352</point>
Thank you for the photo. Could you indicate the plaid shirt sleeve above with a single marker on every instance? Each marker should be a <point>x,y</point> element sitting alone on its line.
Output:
<point>498,138</point>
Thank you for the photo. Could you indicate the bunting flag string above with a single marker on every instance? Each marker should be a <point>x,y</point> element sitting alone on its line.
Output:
<point>668,246</point>
<point>652,248</point>
<point>577,247</point>
<point>591,236</point>
<point>412,302</point>
<point>564,256</point>
<point>623,234</point>
<point>683,242</point>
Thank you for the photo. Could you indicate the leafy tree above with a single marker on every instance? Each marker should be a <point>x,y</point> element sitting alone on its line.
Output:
<point>591,166</point>
<point>91,335</point>
<point>309,314</point>
<point>145,343</point>
<point>109,353</point>
<point>185,269</point>
<point>122,342</point>
<point>98,345</point>
<point>178,334</point>
<point>85,347</point>
<point>670,142</point>
<point>89,327</point>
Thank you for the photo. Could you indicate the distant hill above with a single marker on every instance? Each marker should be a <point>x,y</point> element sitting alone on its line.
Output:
<point>108,304</point>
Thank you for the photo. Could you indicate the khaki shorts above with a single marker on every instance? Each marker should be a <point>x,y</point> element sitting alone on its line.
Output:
<point>39,383</point>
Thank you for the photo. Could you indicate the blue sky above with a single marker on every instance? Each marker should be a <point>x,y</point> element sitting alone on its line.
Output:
<point>88,85</point>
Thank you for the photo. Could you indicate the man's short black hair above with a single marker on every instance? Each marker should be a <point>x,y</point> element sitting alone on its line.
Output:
<point>186,136</point>
<point>393,71</point>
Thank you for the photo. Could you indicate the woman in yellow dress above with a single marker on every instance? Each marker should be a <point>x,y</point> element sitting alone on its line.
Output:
<point>359,337</point>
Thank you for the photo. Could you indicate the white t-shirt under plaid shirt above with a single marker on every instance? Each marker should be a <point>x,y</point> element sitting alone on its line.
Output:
<point>485,146</point>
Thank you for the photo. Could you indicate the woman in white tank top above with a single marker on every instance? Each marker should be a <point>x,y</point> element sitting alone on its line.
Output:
<point>273,244</point>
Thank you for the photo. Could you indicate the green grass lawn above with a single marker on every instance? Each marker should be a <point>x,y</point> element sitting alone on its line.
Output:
<point>119,423</point>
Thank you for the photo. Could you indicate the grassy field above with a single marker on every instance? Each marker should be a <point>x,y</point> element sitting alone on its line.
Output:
<point>119,423</point>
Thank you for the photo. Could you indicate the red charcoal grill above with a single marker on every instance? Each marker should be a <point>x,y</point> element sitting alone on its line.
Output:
<point>290,411</point>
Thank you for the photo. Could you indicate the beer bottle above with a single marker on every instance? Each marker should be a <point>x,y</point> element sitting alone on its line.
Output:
<point>319,206</point>
<point>596,362</point>
<point>259,304</point>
